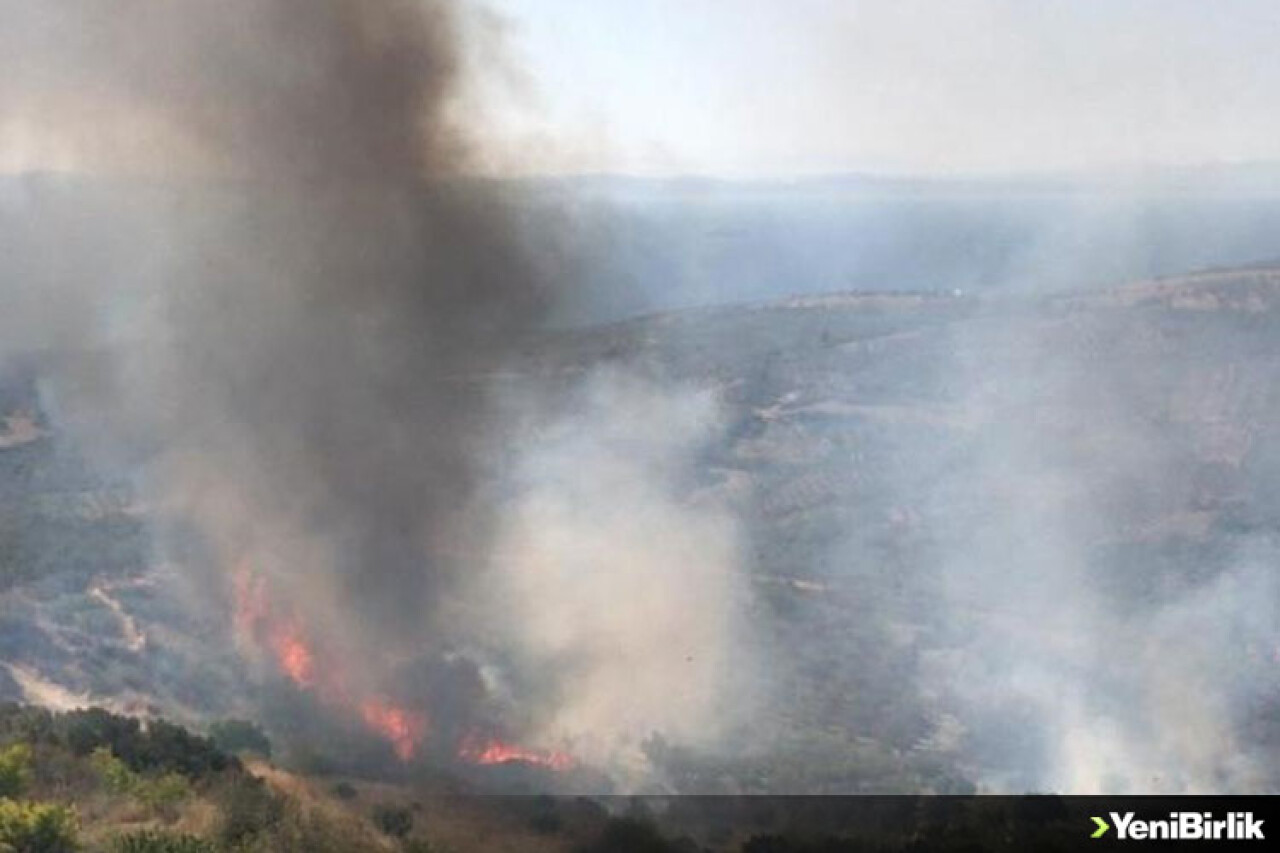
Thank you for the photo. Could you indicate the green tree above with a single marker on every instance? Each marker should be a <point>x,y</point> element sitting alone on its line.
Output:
<point>36,827</point>
<point>114,774</point>
<point>15,769</point>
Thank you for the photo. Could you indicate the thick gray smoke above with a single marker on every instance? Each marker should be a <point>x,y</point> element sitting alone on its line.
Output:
<point>309,331</point>
<point>279,293</point>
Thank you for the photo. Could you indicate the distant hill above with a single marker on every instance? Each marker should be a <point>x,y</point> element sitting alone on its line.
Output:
<point>641,245</point>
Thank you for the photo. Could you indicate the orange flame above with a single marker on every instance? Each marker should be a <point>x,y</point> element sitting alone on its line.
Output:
<point>494,751</point>
<point>299,660</point>
<point>405,729</point>
<point>250,602</point>
<point>293,653</point>
<point>284,637</point>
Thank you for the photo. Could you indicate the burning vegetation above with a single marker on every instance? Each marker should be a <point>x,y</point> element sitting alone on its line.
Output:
<point>263,628</point>
<point>302,319</point>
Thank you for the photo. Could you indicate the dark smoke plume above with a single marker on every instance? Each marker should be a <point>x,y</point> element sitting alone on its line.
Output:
<point>290,318</point>
<point>265,282</point>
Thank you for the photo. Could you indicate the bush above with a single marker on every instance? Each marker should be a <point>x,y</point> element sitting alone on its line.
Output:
<point>36,827</point>
<point>153,841</point>
<point>160,794</point>
<point>303,830</point>
<point>15,769</point>
<point>344,791</point>
<point>546,823</point>
<point>114,774</point>
<point>168,747</point>
<point>25,723</point>
<point>247,808</point>
<point>632,835</point>
<point>161,746</point>
<point>232,736</point>
<point>394,820</point>
<point>85,730</point>
<point>542,814</point>
<point>420,845</point>
<point>163,794</point>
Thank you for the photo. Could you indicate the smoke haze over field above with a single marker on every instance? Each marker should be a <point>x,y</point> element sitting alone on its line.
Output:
<point>986,527</point>
<point>1101,644</point>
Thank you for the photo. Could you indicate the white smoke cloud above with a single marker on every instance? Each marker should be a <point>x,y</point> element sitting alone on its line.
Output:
<point>1092,673</point>
<point>617,576</point>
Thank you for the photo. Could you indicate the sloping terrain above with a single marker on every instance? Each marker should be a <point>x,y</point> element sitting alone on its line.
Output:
<point>968,516</point>
<point>86,612</point>
<point>976,528</point>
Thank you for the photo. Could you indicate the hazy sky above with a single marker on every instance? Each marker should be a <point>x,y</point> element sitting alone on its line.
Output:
<point>795,86</point>
<point>782,87</point>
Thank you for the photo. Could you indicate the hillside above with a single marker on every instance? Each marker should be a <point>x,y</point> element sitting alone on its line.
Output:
<point>89,780</point>
<point>92,781</point>
<point>973,525</point>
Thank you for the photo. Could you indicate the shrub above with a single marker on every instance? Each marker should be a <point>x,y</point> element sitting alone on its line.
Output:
<point>394,820</point>
<point>15,769</point>
<point>232,736</point>
<point>168,747</point>
<point>632,835</point>
<point>162,794</point>
<point>154,841</point>
<point>85,730</point>
<point>36,827</point>
<point>420,845</point>
<point>161,746</point>
<point>303,830</point>
<point>543,815</point>
<point>114,774</point>
<point>546,823</point>
<point>247,808</point>
<point>25,723</point>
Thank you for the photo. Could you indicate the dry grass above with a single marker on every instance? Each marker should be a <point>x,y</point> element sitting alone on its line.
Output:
<point>450,823</point>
